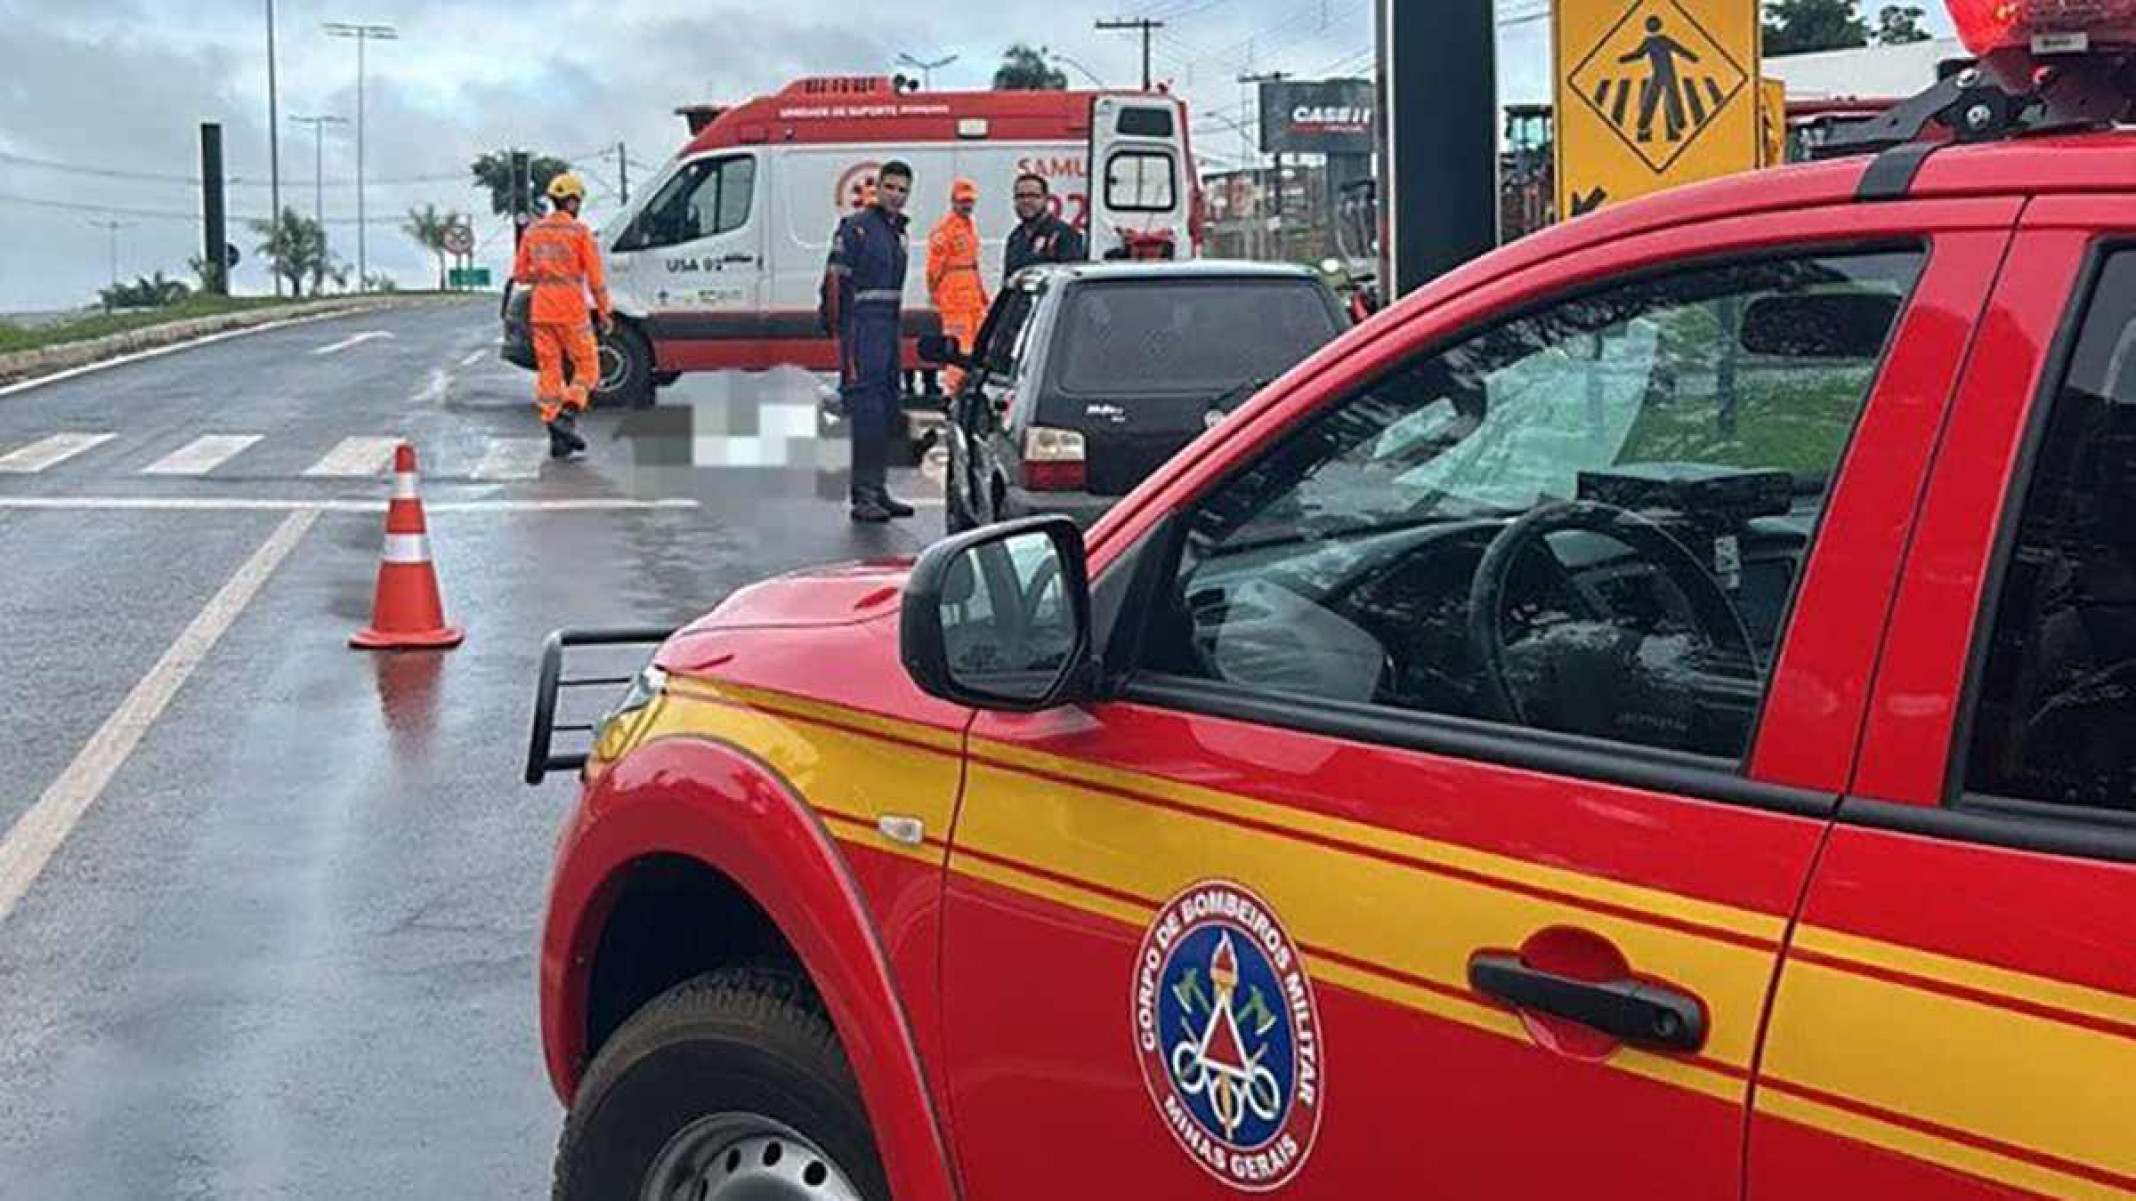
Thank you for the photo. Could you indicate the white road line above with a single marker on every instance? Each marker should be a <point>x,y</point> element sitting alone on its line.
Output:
<point>56,449</point>
<point>174,348</point>
<point>356,456</point>
<point>434,389</point>
<point>201,455</point>
<point>369,335</point>
<point>474,358</point>
<point>512,459</point>
<point>31,842</point>
<point>239,504</point>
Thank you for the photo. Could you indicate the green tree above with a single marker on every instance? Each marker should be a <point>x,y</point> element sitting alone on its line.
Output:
<point>494,171</point>
<point>429,228</point>
<point>1803,26</point>
<point>294,247</point>
<point>146,292</point>
<point>1024,69</point>
<point>1898,24</point>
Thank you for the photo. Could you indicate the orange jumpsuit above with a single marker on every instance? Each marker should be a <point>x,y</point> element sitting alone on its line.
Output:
<point>954,285</point>
<point>558,259</point>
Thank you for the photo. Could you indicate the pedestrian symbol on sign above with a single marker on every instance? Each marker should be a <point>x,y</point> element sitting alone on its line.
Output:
<point>1658,80</point>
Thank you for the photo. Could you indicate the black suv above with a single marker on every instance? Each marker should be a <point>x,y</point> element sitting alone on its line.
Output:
<point>1089,375</point>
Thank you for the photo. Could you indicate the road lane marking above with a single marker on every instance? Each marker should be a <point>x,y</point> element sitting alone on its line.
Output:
<point>356,456</point>
<point>56,449</point>
<point>434,389</point>
<point>512,459</point>
<point>31,842</point>
<point>175,347</point>
<point>474,358</point>
<point>369,335</point>
<point>239,504</point>
<point>202,455</point>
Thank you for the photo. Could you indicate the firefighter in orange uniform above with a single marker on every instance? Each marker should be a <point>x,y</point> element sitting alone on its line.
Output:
<point>953,280</point>
<point>558,259</point>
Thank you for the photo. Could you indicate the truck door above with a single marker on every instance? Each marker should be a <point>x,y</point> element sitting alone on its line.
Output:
<point>1957,1014</point>
<point>695,257</point>
<point>1312,903</point>
<point>1139,183</point>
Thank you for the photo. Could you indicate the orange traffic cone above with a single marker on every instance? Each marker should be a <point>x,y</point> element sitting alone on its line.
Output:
<point>407,611</point>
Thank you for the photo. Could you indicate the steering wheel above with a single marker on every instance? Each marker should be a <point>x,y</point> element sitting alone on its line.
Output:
<point>1718,622</point>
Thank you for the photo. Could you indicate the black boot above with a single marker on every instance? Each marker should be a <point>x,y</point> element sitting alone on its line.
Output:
<point>867,510</point>
<point>891,505</point>
<point>564,437</point>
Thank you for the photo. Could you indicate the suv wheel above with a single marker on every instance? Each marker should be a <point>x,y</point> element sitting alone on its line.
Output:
<point>626,360</point>
<point>731,1085</point>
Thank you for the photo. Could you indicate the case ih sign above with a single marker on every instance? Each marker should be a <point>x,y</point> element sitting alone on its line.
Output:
<point>1329,116</point>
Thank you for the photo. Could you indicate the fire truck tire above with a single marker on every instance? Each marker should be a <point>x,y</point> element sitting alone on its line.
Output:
<point>733,1081</point>
<point>626,370</point>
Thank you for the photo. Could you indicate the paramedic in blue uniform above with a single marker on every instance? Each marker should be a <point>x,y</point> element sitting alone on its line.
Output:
<point>863,285</point>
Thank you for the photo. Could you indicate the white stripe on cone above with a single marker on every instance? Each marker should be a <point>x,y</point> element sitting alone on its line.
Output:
<point>407,548</point>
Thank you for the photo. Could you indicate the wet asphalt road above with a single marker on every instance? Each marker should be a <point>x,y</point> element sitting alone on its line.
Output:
<point>289,948</point>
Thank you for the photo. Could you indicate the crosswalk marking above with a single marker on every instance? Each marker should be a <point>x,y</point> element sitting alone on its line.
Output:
<point>201,455</point>
<point>356,456</point>
<point>512,459</point>
<point>56,449</point>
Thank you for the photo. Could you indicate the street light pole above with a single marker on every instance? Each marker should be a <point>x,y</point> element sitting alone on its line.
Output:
<point>1058,57</point>
<point>274,140</point>
<point>362,34</point>
<point>926,67</point>
<point>319,125</point>
<point>113,227</point>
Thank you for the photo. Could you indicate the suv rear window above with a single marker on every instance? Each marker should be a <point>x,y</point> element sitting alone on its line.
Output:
<point>1181,337</point>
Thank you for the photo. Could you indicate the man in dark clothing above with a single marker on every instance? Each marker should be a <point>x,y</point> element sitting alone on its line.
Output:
<point>1039,236</point>
<point>863,289</point>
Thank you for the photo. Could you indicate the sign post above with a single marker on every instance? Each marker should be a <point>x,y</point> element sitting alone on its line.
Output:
<point>1651,94</point>
<point>1438,92</point>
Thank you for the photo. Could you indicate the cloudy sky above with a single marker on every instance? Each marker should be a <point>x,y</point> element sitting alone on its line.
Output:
<point>104,98</point>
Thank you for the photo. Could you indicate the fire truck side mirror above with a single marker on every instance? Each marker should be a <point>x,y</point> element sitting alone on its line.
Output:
<point>999,618</point>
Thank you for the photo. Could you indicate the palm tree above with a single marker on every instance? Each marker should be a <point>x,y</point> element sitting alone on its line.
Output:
<point>428,227</point>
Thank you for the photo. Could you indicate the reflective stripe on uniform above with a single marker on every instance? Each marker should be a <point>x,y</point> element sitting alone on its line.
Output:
<point>867,295</point>
<point>837,269</point>
<point>407,548</point>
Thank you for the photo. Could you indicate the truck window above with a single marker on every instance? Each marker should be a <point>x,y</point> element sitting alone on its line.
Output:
<point>1141,181</point>
<point>2055,709</point>
<point>1625,484</point>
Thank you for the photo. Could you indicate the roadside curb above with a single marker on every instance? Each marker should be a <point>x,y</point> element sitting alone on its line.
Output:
<point>25,369</point>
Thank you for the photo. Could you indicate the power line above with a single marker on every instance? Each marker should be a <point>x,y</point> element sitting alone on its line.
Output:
<point>77,206</point>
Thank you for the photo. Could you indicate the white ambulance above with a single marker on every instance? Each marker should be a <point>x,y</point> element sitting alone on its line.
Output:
<point>717,265</point>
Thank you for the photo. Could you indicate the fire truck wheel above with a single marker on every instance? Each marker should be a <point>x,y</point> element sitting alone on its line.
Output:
<point>731,1085</point>
<point>626,370</point>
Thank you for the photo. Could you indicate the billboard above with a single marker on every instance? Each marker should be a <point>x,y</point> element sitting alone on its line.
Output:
<point>1327,116</point>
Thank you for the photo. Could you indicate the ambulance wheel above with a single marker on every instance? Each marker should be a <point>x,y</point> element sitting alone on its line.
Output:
<point>626,370</point>
<point>729,1086</point>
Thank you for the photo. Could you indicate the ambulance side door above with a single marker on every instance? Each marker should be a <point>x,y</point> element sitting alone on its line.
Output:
<point>696,250</point>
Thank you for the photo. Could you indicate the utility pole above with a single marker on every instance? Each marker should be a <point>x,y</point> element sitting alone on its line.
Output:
<point>113,227</point>
<point>522,195</point>
<point>274,140</point>
<point>622,175</point>
<point>1251,79</point>
<point>1147,27</point>
<point>361,34</point>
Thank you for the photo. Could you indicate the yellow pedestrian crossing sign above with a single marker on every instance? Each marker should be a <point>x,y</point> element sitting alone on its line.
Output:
<point>1651,94</point>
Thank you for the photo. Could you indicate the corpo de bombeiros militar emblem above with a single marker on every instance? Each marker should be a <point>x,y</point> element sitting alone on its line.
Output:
<point>1228,1035</point>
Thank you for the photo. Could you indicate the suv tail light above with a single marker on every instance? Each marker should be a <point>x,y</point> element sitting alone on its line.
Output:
<point>2043,26</point>
<point>1053,460</point>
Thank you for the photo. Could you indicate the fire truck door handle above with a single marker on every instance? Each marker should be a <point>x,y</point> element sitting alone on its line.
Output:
<point>1633,1010</point>
<point>738,258</point>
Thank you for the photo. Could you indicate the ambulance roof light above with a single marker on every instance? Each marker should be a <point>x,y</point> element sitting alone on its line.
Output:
<point>2043,27</point>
